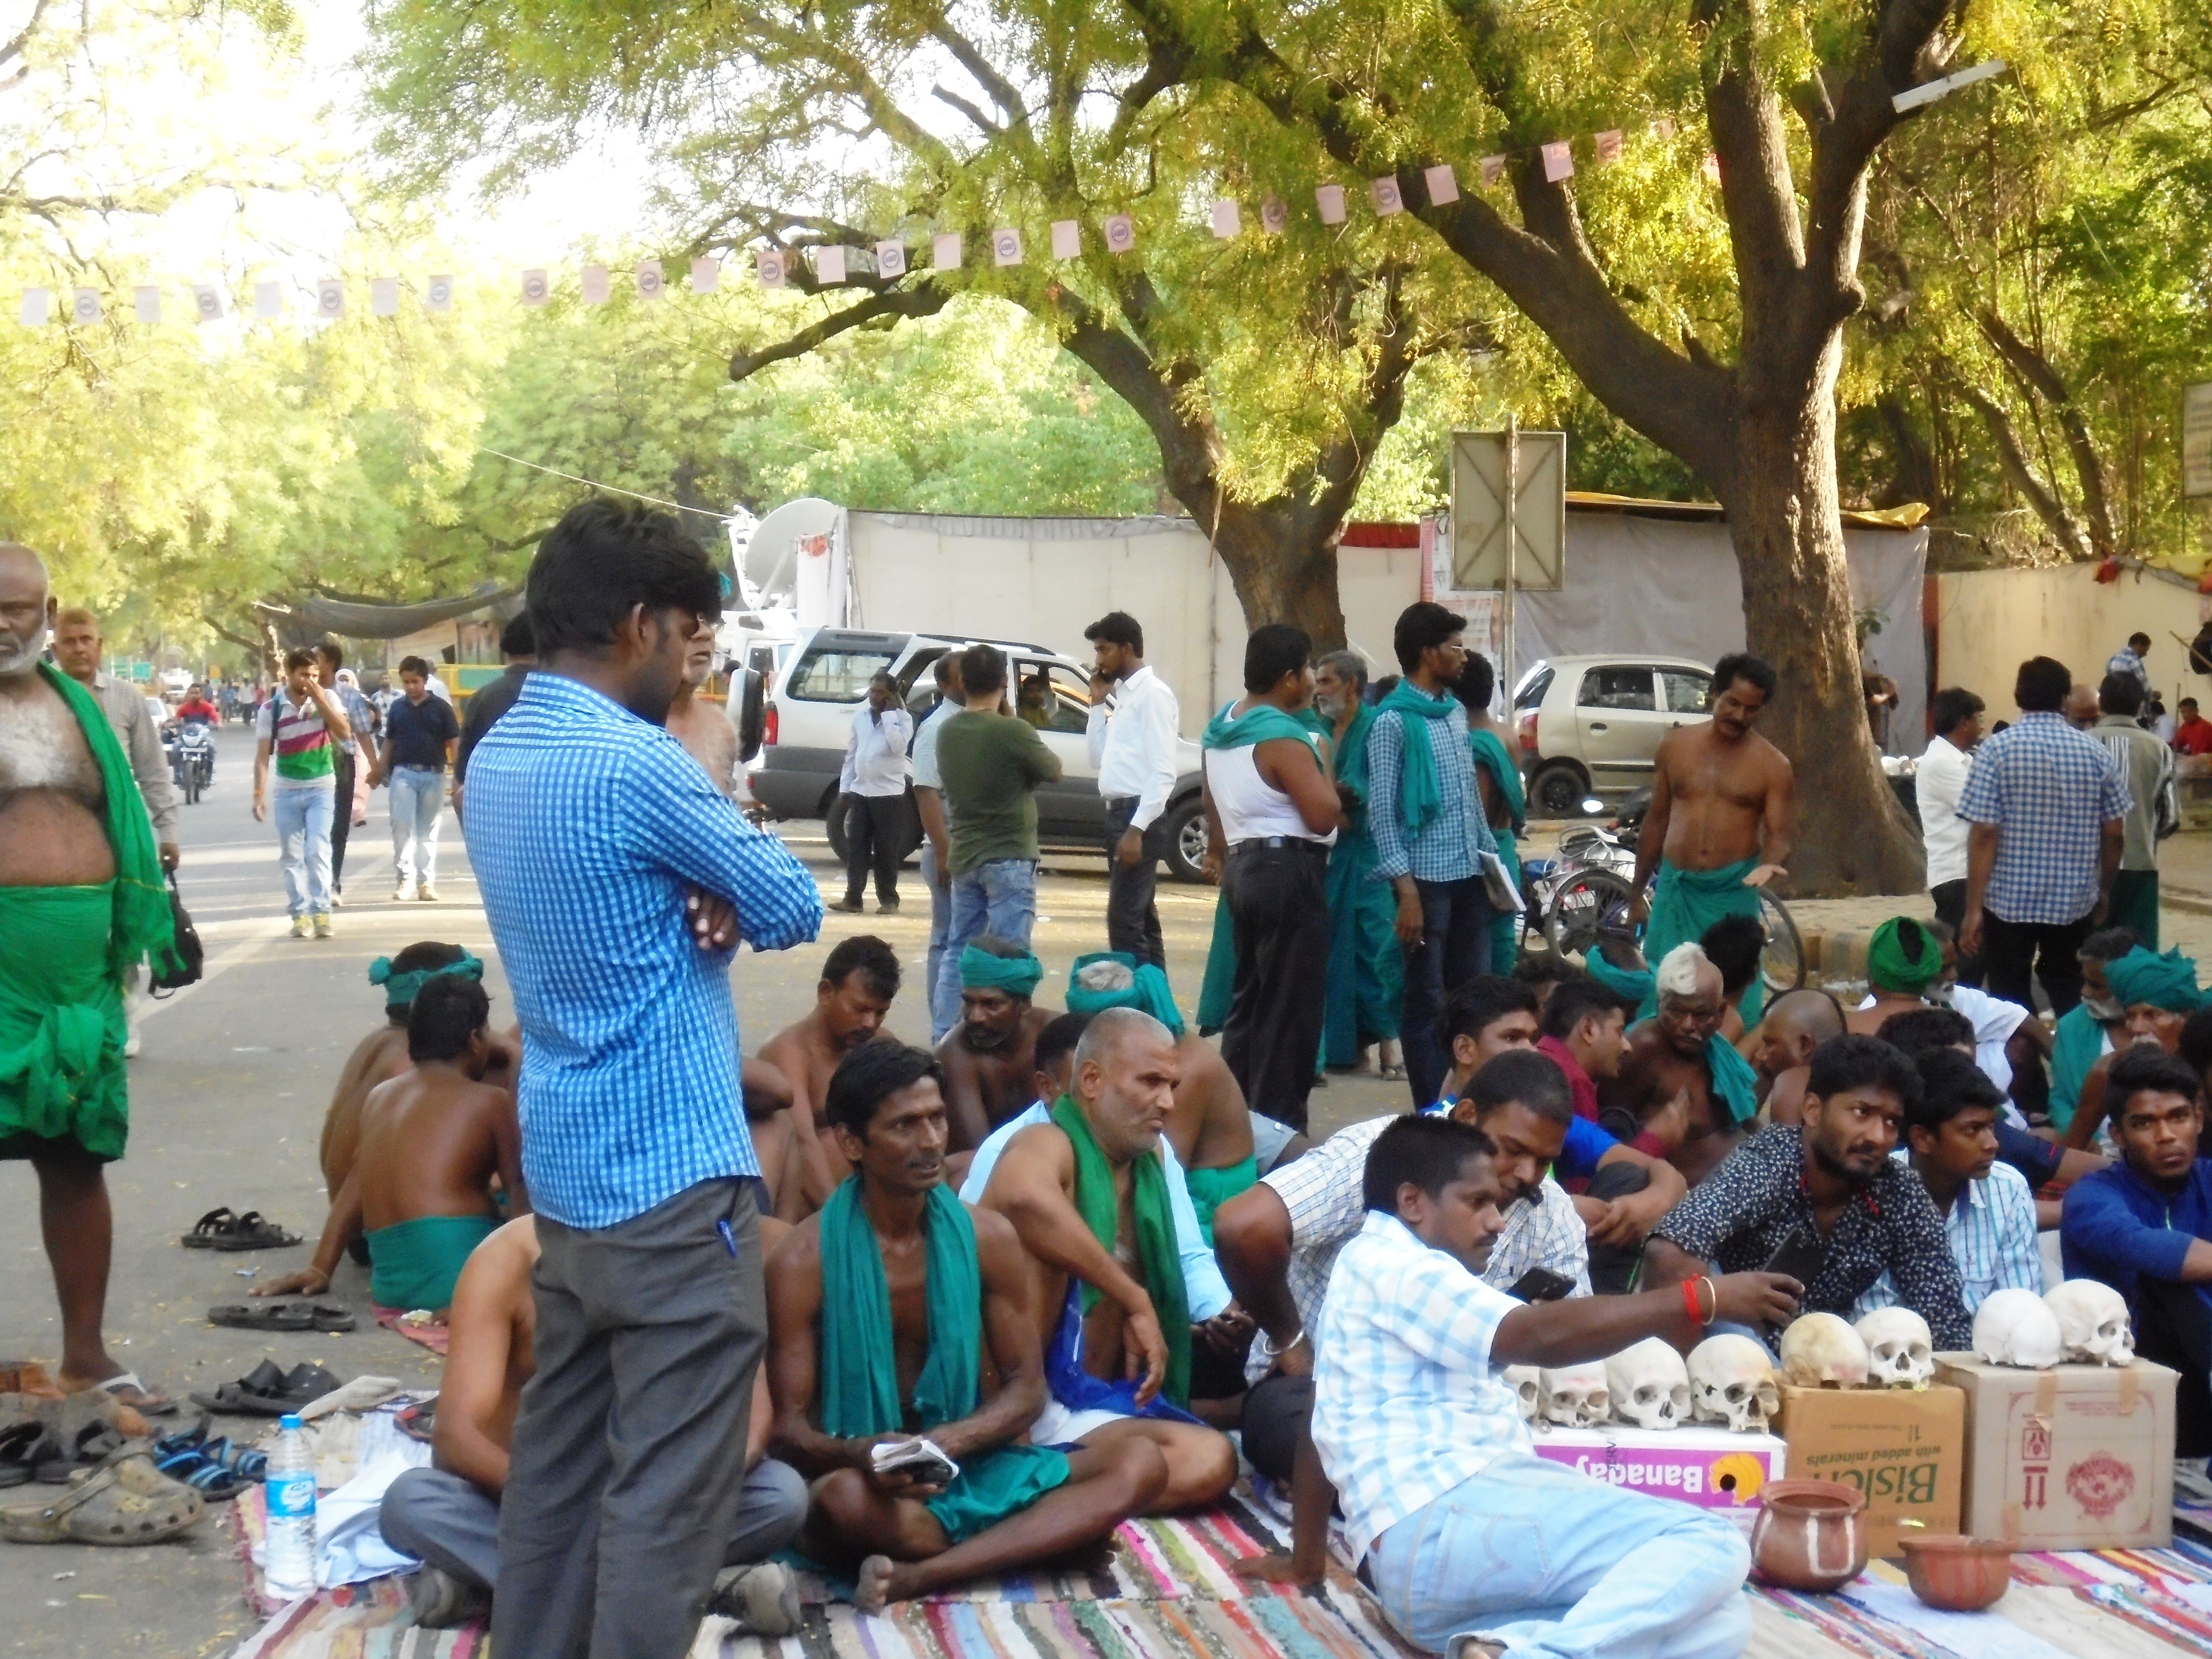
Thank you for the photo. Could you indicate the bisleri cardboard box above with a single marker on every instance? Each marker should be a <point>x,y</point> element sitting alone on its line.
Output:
<point>1906,1449</point>
<point>1709,1467</point>
<point>2077,1457</point>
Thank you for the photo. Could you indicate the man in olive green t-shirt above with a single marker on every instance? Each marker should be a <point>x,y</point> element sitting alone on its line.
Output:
<point>991,765</point>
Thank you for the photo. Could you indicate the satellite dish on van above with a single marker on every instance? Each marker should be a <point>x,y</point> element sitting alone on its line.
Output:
<point>772,557</point>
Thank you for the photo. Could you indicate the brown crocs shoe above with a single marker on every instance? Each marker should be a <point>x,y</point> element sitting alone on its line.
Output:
<point>127,1501</point>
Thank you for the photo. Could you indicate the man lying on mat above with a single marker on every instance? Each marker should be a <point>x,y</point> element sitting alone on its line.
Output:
<point>879,1307</point>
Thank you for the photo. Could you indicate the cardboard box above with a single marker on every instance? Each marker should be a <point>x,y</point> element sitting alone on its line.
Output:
<point>1708,1466</point>
<point>1906,1449</point>
<point>2078,1457</point>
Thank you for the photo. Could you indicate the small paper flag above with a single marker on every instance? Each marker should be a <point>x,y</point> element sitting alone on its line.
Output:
<point>1120,233</point>
<point>330,298</point>
<point>890,259</point>
<point>1329,198</point>
<point>207,299</point>
<point>769,263</point>
<point>1608,147</point>
<point>1387,198</point>
<point>944,250</point>
<point>1443,185</point>
<point>1228,219</point>
<point>437,294</point>
<point>1274,215</point>
<point>1663,128</point>
<point>1559,162</point>
<point>650,285</point>
<point>149,302</point>
<point>268,300</point>
<point>1493,169</point>
<point>1067,239</point>
<point>596,286</point>
<point>1712,168</point>
<point>536,291</point>
<point>85,305</point>
<point>829,266</point>
<point>37,302</point>
<point>705,275</point>
<point>1007,245</point>
<point>384,295</point>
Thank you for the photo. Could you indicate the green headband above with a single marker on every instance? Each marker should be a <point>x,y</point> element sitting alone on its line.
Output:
<point>1147,990</point>
<point>400,988</point>
<point>981,971</point>
<point>1888,964</point>
<point>2168,981</point>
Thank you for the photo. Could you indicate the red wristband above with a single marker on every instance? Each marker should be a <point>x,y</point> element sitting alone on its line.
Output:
<point>1689,1289</point>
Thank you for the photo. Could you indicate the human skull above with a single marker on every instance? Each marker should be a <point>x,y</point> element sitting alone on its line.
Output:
<point>2093,1322</point>
<point>1732,1382</point>
<point>1649,1385</point>
<point>1528,1384</point>
<point>1575,1397</point>
<point>1818,1351</point>
<point>1900,1349</point>
<point>2015,1327</point>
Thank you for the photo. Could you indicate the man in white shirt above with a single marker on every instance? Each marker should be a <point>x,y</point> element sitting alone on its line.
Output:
<point>1940,777</point>
<point>1475,1546</point>
<point>1132,744</point>
<point>873,781</point>
<point>937,842</point>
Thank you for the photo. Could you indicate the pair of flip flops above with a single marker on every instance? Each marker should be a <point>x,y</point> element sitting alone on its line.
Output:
<point>49,1439</point>
<point>223,1230</point>
<point>265,1391</point>
<point>325,1316</point>
<point>211,1466</point>
<point>125,1500</point>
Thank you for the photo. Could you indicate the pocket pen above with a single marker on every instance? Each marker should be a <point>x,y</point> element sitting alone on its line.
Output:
<point>729,1238</point>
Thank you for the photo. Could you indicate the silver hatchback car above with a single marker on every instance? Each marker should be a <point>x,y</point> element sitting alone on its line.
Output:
<point>1591,724</point>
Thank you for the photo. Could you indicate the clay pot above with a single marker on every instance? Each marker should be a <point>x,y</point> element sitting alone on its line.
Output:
<point>1810,1535</point>
<point>1963,1575</point>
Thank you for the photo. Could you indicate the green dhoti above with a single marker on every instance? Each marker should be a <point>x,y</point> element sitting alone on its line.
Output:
<point>994,1485</point>
<point>1211,1188</point>
<point>415,1264</point>
<point>1686,902</point>
<point>62,1029</point>
<point>1366,968</point>
<point>1220,981</point>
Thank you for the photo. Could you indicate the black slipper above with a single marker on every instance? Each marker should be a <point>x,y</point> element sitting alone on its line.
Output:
<point>222,1230</point>
<point>333,1316</point>
<point>264,1315</point>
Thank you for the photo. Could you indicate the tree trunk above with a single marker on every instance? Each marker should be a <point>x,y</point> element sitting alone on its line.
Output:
<point>1853,835</point>
<point>1282,562</point>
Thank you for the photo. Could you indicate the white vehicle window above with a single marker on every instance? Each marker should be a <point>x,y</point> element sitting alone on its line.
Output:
<point>1684,691</point>
<point>834,676</point>
<point>1615,688</point>
<point>1050,698</point>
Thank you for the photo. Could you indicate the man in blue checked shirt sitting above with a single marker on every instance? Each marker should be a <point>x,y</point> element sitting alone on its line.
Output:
<point>618,880</point>
<point>1474,1545</point>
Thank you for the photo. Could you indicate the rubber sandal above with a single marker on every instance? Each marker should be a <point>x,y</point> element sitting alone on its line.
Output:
<point>223,1230</point>
<point>259,1393</point>
<point>418,1422</point>
<point>27,1377</point>
<point>333,1316</point>
<point>264,1315</point>
<point>127,1501</point>
<point>127,1389</point>
<point>207,1470</point>
<point>87,1450</point>
<point>21,1444</point>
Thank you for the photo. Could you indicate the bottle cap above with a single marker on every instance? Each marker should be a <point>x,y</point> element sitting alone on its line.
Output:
<point>289,1420</point>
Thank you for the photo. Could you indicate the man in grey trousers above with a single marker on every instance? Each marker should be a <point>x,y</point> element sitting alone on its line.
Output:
<point>618,880</point>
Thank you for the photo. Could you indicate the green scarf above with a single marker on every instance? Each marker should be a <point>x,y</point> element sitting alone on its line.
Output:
<point>1352,753</point>
<point>1490,754</point>
<point>1147,990</point>
<point>2077,1044</point>
<point>1261,723</point>
<point>860,1366</point>
<point>980,970</point>
<point>400,988</point>
<point>1420,795</point>
<point>1736,1086</point>
<point>1157,1255</point>
<point>2168,981</point>
<point>144,926</point>
<point>1891,966</point>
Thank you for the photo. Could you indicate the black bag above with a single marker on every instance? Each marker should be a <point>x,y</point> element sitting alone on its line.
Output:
<point>2200,651</point>
<point>191,953</point>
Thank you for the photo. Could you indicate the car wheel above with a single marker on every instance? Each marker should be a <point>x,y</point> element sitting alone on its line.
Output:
<point>1557,790</point>
<point>752,704</point>
<point>1186,840</point>
<point>833,818</point>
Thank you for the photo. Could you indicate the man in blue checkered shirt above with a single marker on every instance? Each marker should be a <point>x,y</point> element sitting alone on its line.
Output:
<point>2048,808</point>
<point>617,879</point>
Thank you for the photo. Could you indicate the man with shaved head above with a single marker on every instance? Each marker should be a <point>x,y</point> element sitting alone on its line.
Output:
<point>81,901</point>
<point>1796,1023</point>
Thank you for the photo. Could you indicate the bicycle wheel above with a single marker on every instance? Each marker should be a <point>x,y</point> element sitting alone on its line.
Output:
<point>1582,905</point>
<point>1782,964</point>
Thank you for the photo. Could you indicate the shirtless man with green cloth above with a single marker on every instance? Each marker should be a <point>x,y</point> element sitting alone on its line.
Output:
<point>879,1308</point>
<point>1718,827</point>
<point>81,902</point>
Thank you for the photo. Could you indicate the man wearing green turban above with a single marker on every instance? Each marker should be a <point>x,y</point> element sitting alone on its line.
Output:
<point>990,1056</point>
<point>2159,993</point>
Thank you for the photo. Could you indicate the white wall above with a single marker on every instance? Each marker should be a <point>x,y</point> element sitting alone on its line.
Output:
<point>1989,621</point>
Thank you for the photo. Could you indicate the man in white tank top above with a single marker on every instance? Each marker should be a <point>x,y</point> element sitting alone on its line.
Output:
<point>1271,816</point>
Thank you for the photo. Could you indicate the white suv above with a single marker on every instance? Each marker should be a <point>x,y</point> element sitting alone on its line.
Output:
<point>806,717</point>
<point>1592,725</point>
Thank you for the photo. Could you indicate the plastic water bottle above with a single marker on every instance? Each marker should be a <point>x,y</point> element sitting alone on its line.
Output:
<point>291,1485</point>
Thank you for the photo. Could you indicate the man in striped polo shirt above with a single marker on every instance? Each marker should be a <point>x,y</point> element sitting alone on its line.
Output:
<point>299,728</point>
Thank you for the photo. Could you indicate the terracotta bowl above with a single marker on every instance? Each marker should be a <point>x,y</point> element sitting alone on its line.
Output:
<point>1961,1574</point>
<point>1810,1535</point>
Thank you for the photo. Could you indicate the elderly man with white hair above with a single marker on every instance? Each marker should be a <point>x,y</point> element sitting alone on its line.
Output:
<point>1681,1055</point>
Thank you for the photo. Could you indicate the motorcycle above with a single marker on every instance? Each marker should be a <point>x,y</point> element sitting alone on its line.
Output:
<point>191,758</point>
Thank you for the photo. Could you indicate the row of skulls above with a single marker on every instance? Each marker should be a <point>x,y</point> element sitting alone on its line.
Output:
<point>1730,1382</point>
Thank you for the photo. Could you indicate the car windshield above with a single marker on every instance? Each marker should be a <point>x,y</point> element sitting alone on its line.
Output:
<point>1532,694</point>
<point>831,674</point>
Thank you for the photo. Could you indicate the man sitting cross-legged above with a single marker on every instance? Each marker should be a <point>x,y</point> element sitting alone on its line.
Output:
<point>447,1516</point>
<point>1475,1545</point>
<point>879,1311</point>
<point>382,1054</point>
<point>858,984</point>
<point>1681,1055</point>
<point>431,1139</point>
<point>989,1057</point>
<point>1088,1194</point>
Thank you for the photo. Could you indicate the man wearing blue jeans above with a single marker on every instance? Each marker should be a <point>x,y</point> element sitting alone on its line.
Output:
<point>419,733</point>
<point>937,842</point>
<point>1425,811</point>
<point>990,765</point>
<point>1475,1546</point>
<point>297,734</point>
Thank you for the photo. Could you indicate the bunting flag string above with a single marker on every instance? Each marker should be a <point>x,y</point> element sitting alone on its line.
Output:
<point>833,265</point>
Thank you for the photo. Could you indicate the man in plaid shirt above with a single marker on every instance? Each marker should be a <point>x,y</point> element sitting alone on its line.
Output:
<point>2049,810</point>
